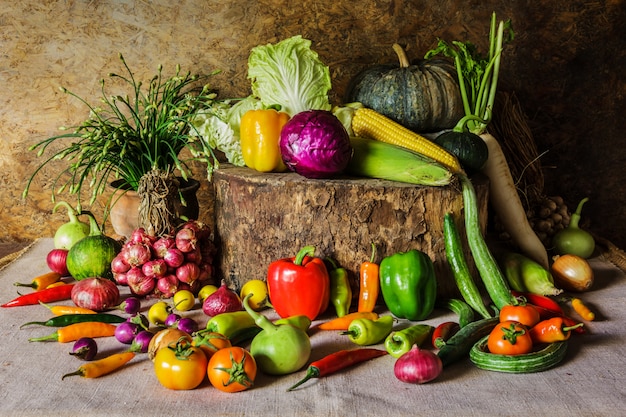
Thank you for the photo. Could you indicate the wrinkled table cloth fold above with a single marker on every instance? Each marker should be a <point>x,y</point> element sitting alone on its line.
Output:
<point>590,381</point>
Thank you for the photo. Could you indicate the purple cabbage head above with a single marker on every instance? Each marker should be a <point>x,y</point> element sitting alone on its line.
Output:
<point>315,144</point>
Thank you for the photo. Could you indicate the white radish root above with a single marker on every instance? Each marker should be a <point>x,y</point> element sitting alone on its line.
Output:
<point>507,204</point>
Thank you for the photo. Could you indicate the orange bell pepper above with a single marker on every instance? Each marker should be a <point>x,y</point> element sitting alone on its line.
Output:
<point>260,136</point>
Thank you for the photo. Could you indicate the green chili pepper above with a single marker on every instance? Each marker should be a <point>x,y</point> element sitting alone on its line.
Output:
<point>400,342</point>
<point>228,323</point>
<point>340,290</point>
<point>67,319</point>
<point>367,332</point>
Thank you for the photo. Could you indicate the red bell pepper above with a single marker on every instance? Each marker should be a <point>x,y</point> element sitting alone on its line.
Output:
<point>299,285</point>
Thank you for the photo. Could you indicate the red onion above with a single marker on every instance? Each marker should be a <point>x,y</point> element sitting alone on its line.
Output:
<point>57,261</point>
<point>188,272</point>
<point>161,245</point>
<point>186,240</point>
<point>418,366</point>
<point>154,268</point>
<point>119,265</point>
<point>222,301</point>
<point>135,254</point>
<point>139,283</point>
<point>97,294</point>
<point>141,236</point>
<point>174,257</point>
<point>194,256</point>
<point>121,278</point>
<point>206,271</point>
<point>167,285</point>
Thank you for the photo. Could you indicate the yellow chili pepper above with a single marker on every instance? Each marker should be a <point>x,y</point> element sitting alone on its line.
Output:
<point>42,281</point>
<point>260,136</point>
<point>103,366</point>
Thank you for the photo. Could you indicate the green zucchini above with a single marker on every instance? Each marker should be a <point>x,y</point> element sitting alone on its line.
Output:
<point>460,308</point>
<point>544,359</point>
<point>459,345</point>
<point>490,273</point>
<point>460,270</point>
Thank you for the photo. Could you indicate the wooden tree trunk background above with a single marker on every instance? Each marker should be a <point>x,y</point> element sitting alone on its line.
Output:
<point>263,217</point>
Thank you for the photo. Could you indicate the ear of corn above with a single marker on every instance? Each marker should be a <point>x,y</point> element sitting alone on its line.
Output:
<point>381,160</point>
<point>371,124</point>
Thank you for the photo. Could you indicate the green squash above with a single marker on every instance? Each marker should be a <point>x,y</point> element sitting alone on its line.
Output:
<point>423,96</point>
<point>91,256</point>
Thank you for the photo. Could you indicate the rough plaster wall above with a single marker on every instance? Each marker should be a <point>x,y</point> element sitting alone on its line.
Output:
<point>564,65</point>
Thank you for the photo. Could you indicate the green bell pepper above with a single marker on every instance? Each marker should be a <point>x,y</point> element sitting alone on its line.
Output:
<point>408,284</point>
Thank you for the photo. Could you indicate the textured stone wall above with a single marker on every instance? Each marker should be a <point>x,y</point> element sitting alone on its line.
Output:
<point>566,66</point>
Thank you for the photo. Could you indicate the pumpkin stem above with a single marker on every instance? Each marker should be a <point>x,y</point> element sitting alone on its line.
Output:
<point>402,58</point>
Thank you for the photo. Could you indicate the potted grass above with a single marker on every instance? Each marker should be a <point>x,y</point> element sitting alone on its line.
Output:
<point>132,144</point>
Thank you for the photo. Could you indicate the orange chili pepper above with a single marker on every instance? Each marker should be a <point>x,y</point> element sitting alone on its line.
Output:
<point>552,330</point>
<point>62,310</point>
<point>75,331</point>
<point>343,322</point>
<point>41,282</point>
<point>369,284</point>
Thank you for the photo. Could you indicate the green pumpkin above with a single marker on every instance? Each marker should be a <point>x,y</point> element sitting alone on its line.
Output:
<point>469,148</point>
<point>423,96</point>
<point>91,256</point>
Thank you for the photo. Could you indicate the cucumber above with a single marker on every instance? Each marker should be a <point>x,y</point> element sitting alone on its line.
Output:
<point>544,359</point>
<point>460,308</point>
<point>459,345</point>
<point>493,278</point>
<point>460,270</point>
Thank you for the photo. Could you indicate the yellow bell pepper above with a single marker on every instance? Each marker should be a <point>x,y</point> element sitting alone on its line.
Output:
<point>260,135</point>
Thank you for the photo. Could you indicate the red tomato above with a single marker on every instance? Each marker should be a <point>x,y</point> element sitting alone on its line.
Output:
<point>232,369</point>
<point>510,338</point>
<point>525,314</point>
<point>180,366</point>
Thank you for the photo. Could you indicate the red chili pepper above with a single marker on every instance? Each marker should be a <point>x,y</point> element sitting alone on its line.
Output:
<point>552,330</point>
<point>540,300</point>
<point>49,295</point>
<point>443,332</point>
<point>338,361</point>
<point>299,285</point>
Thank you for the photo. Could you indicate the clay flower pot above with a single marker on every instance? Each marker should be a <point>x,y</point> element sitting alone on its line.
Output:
<point>124,213</point>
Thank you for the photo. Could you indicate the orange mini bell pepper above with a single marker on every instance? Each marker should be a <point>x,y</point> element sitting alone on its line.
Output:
<point>260,136</point>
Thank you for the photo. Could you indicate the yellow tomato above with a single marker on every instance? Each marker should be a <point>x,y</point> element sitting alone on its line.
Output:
<point>206,291</point>
<point>184,300</point>
<point>181,367</point>
<point>258,289</point>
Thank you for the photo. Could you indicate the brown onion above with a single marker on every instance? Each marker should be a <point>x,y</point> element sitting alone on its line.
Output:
<point>96,294</point>
<point>572,273</point>
<point>163,338</point>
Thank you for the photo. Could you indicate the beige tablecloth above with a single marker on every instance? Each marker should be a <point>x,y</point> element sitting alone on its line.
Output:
<point>590,382</point>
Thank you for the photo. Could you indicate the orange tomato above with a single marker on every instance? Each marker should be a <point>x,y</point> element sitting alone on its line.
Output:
<point>210,342</point>
<point>510,338</point>
<point>525,314</point>
<point>232,369</point>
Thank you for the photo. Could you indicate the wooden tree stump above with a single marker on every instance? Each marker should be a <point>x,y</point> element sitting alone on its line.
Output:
<point>261,217</point>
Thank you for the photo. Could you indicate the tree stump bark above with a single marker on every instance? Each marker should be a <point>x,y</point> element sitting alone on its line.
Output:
<point>262,217</point>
